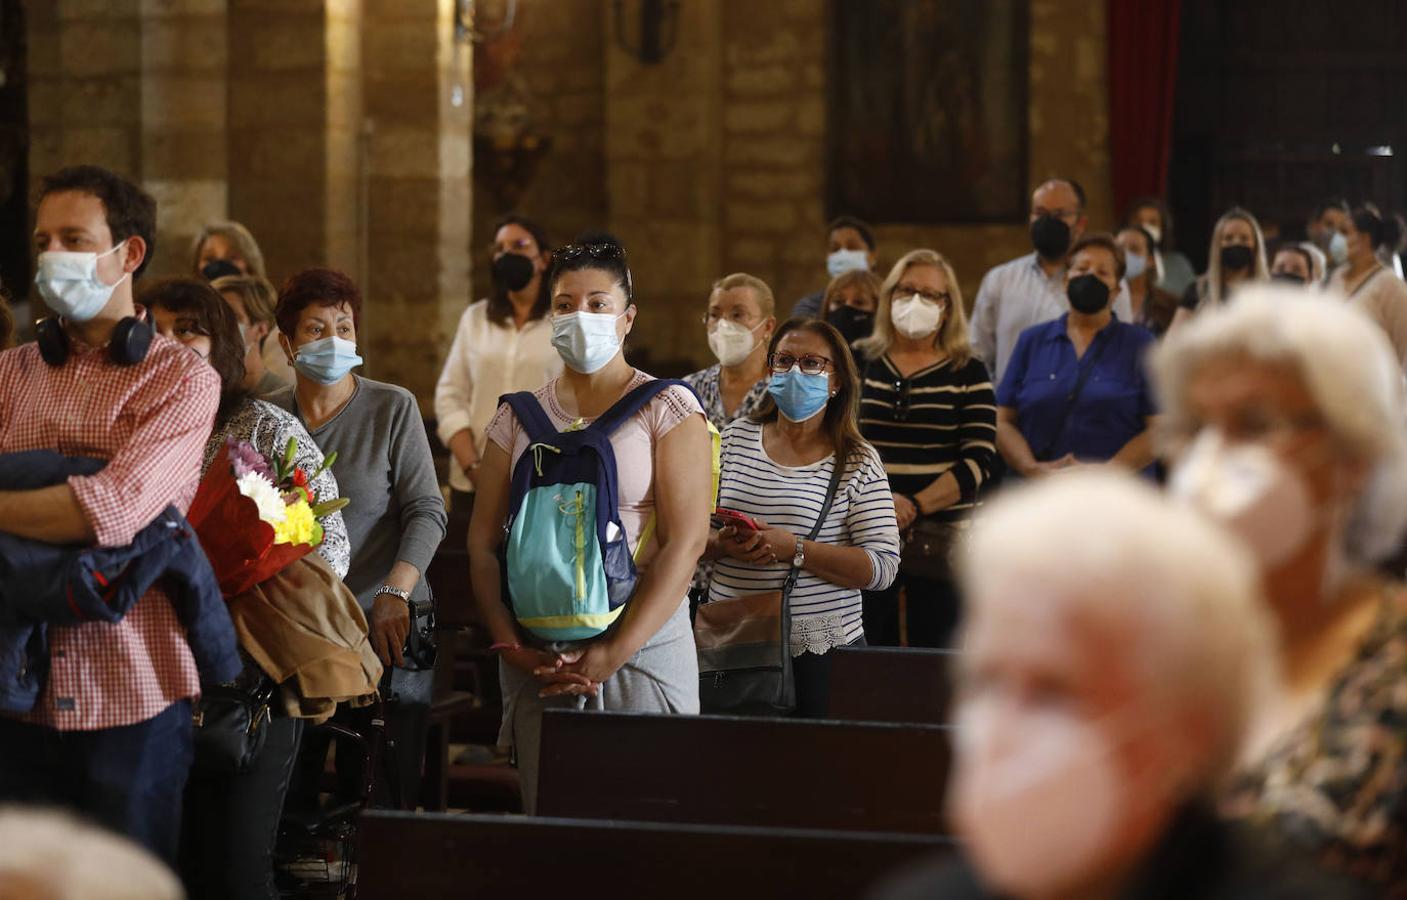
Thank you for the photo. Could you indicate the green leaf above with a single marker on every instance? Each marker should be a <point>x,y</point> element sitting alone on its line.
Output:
<point>329,506</point>
<point>327,462</point>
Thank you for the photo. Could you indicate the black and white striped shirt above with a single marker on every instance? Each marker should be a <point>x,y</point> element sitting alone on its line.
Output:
<point>936,420</point>
<point>824,615</point>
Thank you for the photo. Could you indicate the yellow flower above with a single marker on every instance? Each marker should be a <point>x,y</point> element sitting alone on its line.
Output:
<point>299,526</point>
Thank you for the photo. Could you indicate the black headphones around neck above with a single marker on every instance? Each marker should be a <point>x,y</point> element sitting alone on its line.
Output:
<point>130,341</point>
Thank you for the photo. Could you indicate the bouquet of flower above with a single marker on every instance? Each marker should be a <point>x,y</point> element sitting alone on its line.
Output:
<point>253,517</point>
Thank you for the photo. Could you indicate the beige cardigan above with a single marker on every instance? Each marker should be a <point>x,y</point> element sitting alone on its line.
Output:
<point>1383,296</point>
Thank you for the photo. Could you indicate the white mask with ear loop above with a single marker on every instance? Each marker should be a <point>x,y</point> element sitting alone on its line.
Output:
<point>1247,488</point>
<point>1036,794</point>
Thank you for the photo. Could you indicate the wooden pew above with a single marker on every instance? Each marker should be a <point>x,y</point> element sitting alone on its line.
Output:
<point>891,684</point>
<point>430,855</point>
<point>775,773</point>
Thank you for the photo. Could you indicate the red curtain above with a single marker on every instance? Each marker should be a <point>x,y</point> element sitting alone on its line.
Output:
<point>1142,78</point>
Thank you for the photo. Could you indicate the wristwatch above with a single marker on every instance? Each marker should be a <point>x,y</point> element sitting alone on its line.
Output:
<point>394,592</point>
<point>800,557</point>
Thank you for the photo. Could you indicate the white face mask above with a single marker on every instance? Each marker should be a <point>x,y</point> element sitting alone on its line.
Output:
<point>1338,248</point>
<point>586,341</point>
<point>915,317</point>
<point>1154,232</point>
<point>731,342</point>
<point>841,261</point>
<point>1251,491</point>
<point>68,281</point>
<point>1036,795</point>
<point>1134,265</point>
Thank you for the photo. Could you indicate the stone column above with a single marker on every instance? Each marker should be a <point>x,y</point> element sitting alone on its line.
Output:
<point>664,159</point>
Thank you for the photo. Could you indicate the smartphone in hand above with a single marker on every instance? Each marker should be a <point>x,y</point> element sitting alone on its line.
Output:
<point>740,522</point>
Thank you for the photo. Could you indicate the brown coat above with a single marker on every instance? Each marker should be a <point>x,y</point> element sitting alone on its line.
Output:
<point>303,627</point>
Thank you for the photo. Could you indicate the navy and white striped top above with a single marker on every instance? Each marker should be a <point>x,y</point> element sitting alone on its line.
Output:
<point>862,515</point>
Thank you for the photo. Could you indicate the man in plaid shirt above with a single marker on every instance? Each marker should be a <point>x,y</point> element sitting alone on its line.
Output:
<point>111,733</point>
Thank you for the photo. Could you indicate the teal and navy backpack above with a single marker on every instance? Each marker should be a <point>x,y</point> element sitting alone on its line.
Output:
<point>568,569</point>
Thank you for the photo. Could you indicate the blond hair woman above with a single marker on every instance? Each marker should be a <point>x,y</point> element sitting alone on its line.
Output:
<point>927,405</point>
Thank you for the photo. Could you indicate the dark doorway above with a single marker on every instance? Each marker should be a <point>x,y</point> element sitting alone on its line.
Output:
<point>14,154</point>
<point>1280,105</point>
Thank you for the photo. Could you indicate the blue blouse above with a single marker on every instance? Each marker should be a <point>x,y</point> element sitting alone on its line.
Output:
<point>1112,408</point>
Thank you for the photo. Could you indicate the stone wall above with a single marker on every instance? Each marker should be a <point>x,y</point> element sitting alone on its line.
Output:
<point>715,159</point>
<point>330,127</point>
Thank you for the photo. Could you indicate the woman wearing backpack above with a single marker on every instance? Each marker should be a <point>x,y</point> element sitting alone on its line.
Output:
<point>645,660</point>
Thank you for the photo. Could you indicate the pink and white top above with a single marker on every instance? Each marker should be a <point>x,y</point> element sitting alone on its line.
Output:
<point>634,444</point>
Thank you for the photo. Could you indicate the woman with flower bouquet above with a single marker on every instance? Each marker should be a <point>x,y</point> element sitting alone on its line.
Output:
<point>261,452</point>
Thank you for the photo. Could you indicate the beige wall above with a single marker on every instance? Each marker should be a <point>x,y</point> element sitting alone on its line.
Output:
<point>325,126</point>
<point>714,160</point>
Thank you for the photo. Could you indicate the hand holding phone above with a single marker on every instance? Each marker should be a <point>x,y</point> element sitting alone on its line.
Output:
<point>731,518</point>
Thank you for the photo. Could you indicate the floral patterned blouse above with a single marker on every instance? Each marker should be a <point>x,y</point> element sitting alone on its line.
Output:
<point>1337,785</point>
<point>706,383</point>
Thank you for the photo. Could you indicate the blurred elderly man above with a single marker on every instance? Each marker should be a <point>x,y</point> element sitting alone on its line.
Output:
<point>1285,423</point>
<point>48,855</point>
<point>1115,649</point>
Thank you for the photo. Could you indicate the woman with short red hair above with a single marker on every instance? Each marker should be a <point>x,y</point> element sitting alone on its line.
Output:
<point>396,518</point>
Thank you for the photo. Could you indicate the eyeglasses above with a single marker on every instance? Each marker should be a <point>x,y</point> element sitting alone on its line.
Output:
<point>810,365</point>
<point>599,252</point>
<point>942,299</point>
<point>595,251</point>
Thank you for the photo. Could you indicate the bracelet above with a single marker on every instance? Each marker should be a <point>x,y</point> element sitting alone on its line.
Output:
<point>499,647</point>
<point>914,500</point>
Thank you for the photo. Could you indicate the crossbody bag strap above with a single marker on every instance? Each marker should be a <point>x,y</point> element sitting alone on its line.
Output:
<point>1090,361</point>
<point>795,572</point>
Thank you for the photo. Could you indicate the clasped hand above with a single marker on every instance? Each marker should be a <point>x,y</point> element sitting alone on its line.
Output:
<point>579,671</point>
<point>763,547</point>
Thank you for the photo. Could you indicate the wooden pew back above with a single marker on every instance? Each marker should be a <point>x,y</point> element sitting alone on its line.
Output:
<point>432,855</point>
<point>777,773</point>
<point>891,684</point>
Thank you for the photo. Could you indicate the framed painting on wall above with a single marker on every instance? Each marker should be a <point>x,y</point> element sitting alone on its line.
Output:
<point>928,110</point>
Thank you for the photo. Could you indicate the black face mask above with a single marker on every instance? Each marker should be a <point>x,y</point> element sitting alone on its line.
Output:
<point>219,268</point>
<point>1087,294</point>
<point>1050,236</point>
<point>514,271</point>
<point>1236,257</point>
<point>1288,278</point>
<point>853,324</point>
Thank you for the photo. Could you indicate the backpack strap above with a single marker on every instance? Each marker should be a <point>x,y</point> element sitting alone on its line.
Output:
<point>531,416</point>
<point>633,402</point>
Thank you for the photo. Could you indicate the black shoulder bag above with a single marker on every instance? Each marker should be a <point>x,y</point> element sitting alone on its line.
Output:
<point>1090,361</point>
<point>744,644</point>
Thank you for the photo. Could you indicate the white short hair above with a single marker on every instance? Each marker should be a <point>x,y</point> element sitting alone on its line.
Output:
<point>1346,364</point>
<point>1108,550</point>
<point>52,855</point>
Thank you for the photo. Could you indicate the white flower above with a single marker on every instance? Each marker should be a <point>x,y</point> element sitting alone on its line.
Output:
<point>262,491</point>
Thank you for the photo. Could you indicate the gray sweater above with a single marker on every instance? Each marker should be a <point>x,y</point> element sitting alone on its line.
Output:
<point>384,468</point>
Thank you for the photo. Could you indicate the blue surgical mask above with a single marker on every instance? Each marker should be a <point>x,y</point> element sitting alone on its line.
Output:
<point>1338,248</point>
<point>799,396</point>
<point>69,283</point>
<point>841,261</point>
<point>1134,265</point>
<point>327,360</point>
<point>586,341</point>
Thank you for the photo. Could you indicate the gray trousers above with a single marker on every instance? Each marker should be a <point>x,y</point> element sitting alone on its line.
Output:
<point>662,677</point>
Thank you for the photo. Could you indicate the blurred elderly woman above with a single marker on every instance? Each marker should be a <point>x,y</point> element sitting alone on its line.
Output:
<point>1285,421</point>
<point>1093,732</point>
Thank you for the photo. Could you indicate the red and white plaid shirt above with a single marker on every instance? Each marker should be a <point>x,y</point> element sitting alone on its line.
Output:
<point>150,421</point>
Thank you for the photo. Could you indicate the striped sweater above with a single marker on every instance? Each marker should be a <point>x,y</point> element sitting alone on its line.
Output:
<point>862,515</point>
<point>938,419</point>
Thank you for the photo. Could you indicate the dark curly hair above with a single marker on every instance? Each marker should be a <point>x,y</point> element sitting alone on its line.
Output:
<point>214,319</point>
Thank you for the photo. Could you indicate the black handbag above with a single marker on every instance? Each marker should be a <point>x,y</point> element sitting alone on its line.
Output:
<point>413,684</point>
<point>744,644</point>
<point>231,726</point>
